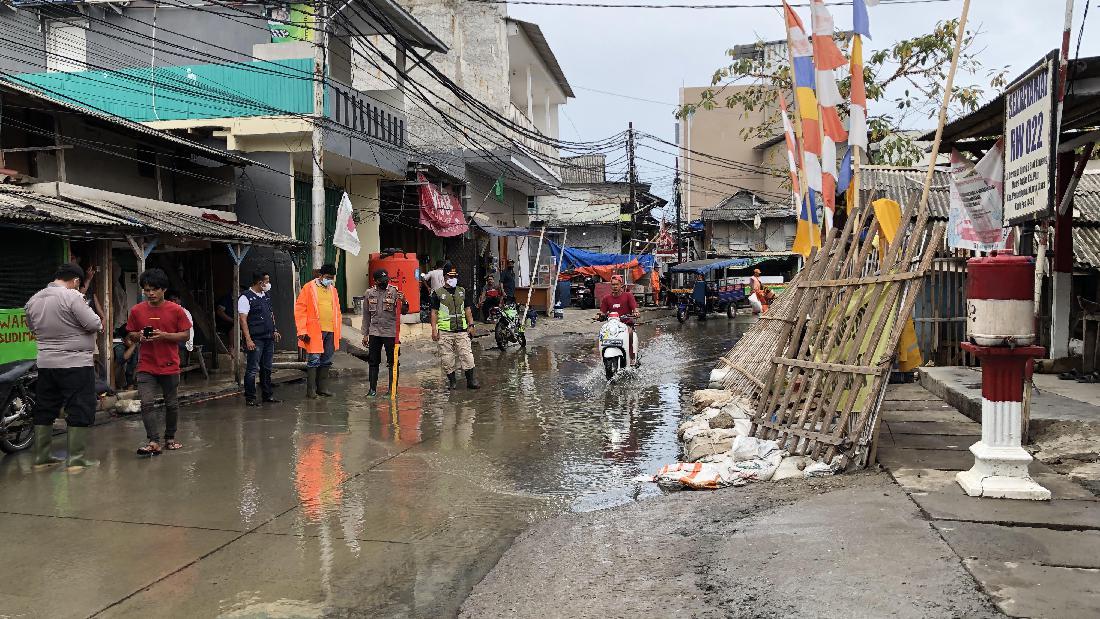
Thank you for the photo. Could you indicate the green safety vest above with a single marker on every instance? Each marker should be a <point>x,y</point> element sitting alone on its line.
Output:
<point>451,304</point>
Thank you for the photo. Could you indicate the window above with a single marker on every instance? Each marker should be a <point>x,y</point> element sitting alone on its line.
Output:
<point>66,46</point>
<point>532,205</point>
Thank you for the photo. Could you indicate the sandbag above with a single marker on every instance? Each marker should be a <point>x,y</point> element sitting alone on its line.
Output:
<point>709,443</point>
<point>757,306</point>
<point>705,398</point>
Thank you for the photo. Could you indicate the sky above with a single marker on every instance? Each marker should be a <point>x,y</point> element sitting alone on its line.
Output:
<point>650,53</point>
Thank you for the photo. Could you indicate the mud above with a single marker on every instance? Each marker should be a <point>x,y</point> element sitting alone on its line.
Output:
<point>850,545</point>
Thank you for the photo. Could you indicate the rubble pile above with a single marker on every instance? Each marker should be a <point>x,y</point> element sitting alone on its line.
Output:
<point>719,451</point>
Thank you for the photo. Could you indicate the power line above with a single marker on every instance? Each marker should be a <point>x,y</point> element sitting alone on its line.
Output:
<point>688,6</point>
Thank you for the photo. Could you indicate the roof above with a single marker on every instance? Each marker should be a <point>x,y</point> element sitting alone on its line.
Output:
<point>122,124</point>
<point>745,206</point>
<point>584,169</point>
<point>387,16</point>
<point>706,266</point>
<point>21,207</point>
<point>1081,108</point>
<point>905,186</point>
<point>534,33</point>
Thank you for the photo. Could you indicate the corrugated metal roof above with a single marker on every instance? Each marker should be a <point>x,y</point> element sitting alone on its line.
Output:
<point>905,185</point>
<point>745,206</point>
<point>22,207</point>
<point>584,169</point>
<point>1086,248</point>
<point>1086,200</point>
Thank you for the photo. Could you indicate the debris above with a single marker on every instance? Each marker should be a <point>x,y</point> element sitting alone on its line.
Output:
<point>820,469</point>
<point>128,407</point>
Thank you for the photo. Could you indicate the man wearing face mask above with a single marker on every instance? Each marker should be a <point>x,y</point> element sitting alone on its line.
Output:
<point>317,319</point>
<point>380,323</point>
<point>453,328</point>
<point>260,336</point>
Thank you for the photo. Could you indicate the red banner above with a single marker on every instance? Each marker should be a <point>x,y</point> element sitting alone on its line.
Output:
<point>440,211</point>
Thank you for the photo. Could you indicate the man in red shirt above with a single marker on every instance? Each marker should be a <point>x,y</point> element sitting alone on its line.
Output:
<point>619,302</point>
<point>160,326</point>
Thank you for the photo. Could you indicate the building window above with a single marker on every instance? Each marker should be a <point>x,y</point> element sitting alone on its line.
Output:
<point>66,46</point>
<point>532,205</point>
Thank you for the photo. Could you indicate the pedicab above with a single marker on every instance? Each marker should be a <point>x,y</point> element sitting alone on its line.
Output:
<point>703,287</point>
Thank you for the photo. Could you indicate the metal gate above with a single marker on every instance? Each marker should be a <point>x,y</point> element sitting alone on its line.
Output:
<point>940,312</point>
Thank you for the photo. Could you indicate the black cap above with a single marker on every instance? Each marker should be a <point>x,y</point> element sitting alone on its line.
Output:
<point>380,273</point>
<point>328,269</point>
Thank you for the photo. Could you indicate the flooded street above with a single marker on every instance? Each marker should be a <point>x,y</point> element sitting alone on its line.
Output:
<point>348,506</point>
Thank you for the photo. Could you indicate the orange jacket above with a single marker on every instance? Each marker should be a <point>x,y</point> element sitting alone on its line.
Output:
<point>307,322</point>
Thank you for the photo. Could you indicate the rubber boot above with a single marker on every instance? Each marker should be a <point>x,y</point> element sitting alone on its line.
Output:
<point>43,436</point>
<point>311,383</point>
<point>322,378</point>
<point>452,381</point>
<point>78,443</point>
<point>373,375</point>
<point>471,380</point>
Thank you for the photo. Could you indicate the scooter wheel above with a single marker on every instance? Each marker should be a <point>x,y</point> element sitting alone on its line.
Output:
<point>681,315</point>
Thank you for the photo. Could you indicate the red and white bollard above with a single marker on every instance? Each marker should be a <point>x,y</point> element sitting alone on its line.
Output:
<point>1000,320</point>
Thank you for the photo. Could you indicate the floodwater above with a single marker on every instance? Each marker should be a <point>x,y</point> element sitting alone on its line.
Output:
<point>351,506</point>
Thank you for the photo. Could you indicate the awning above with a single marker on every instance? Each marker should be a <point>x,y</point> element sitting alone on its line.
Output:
<point>582,258</point>
<point>706,266</point>
<point>102,219</point>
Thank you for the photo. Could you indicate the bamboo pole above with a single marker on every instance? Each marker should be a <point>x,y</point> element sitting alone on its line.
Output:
<point>531,284</point>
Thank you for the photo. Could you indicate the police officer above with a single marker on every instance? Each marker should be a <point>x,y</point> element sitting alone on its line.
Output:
<point>453,328</point>
<point>260,336</point>
<point>380,323</point>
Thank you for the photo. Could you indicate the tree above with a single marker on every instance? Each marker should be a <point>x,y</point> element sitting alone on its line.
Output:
<point>911,73</point>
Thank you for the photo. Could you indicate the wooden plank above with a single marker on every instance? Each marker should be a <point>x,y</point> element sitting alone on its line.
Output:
<point>860,281</point>
<point>830,367</point>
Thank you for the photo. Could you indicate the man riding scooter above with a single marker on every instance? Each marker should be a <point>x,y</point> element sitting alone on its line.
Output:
<point>621,303</point>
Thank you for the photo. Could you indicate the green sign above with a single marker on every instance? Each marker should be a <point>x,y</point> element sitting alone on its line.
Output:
<point>291,22</point>
<point>16,340</point>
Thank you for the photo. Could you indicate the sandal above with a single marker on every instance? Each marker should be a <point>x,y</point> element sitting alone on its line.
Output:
<point>172,444</point>
<point>152,448</point>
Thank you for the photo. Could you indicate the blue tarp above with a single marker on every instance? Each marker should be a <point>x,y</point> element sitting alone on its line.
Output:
<point>581,258</point>
<point>706,266</point>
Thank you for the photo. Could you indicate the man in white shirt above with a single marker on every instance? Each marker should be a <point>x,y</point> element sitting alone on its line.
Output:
<point>436,278</point>
<point>189,345</point>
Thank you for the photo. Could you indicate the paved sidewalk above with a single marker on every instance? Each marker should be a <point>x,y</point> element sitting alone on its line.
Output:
<point>1035,559</point>
<point>1052,400</point>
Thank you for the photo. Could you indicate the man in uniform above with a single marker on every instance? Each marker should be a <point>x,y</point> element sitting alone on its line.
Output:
<point>65,327</point>
<point>318,321</point>
<point>260,336</point>
<point>380,323</point>
<point>453,328</point>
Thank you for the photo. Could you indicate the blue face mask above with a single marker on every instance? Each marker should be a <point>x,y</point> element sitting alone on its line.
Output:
<point>326,282</point>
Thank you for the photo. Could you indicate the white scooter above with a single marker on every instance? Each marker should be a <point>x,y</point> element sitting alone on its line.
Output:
<point>618,345</point>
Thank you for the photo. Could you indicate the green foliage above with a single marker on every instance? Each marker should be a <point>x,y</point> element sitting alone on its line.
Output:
<point>910,74</point>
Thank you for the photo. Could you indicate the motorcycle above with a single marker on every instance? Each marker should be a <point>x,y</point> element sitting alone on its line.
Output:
<point>582,292</point>
<point>17,393</point>
<point>618,345</point>
<point>507,331</point>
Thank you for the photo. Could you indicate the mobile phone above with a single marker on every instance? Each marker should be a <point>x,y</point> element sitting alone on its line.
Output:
<point>147,332</point>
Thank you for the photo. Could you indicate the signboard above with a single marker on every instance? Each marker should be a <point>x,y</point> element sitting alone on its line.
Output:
<point>1030,144</point>
<point>975,218</point>
<point>290,22</point>
<point>17,343</point>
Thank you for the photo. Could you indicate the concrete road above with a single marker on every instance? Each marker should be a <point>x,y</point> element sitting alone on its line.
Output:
<point>350,506</point>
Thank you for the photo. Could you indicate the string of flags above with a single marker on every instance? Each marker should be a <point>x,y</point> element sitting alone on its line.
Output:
<point>812,145</point>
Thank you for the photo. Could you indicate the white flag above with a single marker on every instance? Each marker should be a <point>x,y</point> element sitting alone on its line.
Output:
<point>345,237</point>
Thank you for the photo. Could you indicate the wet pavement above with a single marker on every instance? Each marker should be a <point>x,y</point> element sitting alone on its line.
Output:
<point>351,506</point>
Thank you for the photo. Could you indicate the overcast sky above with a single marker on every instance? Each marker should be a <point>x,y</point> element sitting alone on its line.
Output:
<point>651,53</point>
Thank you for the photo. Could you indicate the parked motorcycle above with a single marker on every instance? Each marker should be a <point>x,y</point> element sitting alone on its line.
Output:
<point>17,393</point>
<point>582,291</point>
<point>618,345</point>
<point>507,331</point>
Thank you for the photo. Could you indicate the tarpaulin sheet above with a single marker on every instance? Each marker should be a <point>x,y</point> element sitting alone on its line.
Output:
<point>440,212</point>
<point>576,258</point>
<point>605,272</point>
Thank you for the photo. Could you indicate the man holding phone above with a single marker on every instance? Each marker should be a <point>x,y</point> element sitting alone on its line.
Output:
<point>160,326</point>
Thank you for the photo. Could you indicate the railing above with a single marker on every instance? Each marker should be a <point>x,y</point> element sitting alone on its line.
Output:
<point>547,155</point>
<point>360,112</point>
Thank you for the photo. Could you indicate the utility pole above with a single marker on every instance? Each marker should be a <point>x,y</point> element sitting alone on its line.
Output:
<point>633,179</point>
<point>320,53</point>
<point>676,198</point>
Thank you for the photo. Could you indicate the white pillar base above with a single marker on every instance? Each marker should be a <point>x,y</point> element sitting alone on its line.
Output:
<point>1001,473</point>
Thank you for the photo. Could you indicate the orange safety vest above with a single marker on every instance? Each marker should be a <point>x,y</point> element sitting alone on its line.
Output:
<point>306,318</point>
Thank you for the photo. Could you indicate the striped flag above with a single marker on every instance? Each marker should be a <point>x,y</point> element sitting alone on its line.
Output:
<point>857,112</point>
<point>803,77</point>
<point>792,160</point>
<point>807,235</point>
<point>827,58</point>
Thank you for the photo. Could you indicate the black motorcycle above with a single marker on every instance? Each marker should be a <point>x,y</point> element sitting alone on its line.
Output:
<point>17,393</point>
<point>582,292</point>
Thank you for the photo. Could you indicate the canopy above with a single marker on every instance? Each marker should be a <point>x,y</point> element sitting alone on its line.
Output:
<point>576,258</point>
<point>706,266</point>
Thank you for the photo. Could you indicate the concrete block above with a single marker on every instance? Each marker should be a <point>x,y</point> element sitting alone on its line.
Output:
<point>1029,590</point>
<point>1055,514</point>
<point>1022,544</point>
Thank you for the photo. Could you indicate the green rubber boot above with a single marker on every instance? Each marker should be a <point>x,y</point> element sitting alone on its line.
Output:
<point>322,379</point>
<point>78,443</point>
<point>311,383</point>
<point>43,436</point>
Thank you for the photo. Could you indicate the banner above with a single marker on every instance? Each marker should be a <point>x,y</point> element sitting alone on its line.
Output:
<point>975,219</point>
<point>17,343</point>
<point>290,22</point>
<point>440,211</point>
<point>346,237</point>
